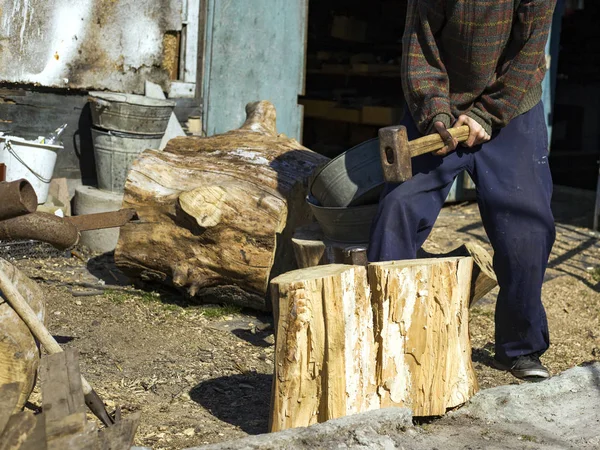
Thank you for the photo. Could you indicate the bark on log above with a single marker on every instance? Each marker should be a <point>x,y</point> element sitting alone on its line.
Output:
<point>312,248</point>
<point>19,351</point>
<point>325,363</point>
<point>347,343</point>
<point>217,213</point>
<point>422,330</point>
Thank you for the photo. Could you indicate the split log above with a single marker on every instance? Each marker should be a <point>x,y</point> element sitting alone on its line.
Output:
<point>217,213</point>
<point>422,331</point>
<point>313,248</point>
<point>19,351</point>
<point>347,344</point>
<point>484,278</point>
<point>325,364</point>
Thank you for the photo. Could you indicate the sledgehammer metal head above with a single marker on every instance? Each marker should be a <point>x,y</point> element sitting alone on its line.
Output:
<point>395,155</point>
<point>397,151</point>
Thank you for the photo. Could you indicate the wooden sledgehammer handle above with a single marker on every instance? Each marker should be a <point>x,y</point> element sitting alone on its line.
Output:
<point>397,151</point>
<point>22,308</point>
<point>433,142</point>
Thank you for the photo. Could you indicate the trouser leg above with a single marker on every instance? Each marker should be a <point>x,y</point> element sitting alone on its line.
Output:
<point>407,211</point>
<point>514,187</point>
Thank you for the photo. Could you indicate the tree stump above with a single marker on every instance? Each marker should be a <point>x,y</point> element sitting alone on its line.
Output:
<point>348,342</point>
<point>325,364</point>
<point>217,213</point>
<point>422,330</point>
<point>19,351</point>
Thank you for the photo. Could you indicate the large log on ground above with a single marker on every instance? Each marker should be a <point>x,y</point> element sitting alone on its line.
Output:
<point>312,248</point>
<point>217,213</point>
<point>347,343</point>
<point>325,347</point>
<point>422,330</point>
<point>19,351</point>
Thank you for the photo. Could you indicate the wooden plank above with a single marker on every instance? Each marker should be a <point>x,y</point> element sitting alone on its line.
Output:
<point>62,394</point>
<point>72,432</point>
<point>9,396</point>
<point>121,434</point>
<point>24,431</point>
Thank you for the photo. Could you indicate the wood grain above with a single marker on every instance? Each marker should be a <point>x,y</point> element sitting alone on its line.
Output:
<point>422,329</point>
<point>217,213</point>
<point>325,366</point>
<point>19,350</point>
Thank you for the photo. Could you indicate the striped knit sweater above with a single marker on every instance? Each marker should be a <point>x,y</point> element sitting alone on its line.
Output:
<point>483,58</point>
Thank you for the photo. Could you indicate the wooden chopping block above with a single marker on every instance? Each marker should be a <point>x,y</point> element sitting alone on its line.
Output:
<point>312,248</point>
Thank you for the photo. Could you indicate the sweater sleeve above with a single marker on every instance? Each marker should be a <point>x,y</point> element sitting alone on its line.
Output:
<point>424,78</point>
<point>525,65</point>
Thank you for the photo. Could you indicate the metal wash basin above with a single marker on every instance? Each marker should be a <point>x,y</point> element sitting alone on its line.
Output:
<point>353,178</point>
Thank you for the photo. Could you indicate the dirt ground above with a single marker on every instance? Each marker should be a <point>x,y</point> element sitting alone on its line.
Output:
<point>202,374</point>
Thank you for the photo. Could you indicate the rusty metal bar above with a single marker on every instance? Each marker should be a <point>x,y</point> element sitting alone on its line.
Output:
<point>41,227</point>
<point>17,198</point>
<point>100,221</point>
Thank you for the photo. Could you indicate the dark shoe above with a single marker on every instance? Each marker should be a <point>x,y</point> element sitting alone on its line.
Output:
<point>526,367</point>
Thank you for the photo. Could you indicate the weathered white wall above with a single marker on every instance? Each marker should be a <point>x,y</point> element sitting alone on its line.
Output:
<point>86,44</point>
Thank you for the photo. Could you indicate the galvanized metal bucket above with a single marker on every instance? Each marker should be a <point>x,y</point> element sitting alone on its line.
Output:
<point>353,178</point>
<point>129,113</point>
<point>344,224</point>
<point>115,153</point>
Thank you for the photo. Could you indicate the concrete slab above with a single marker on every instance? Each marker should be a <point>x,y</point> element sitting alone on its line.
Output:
<point>560,413</point>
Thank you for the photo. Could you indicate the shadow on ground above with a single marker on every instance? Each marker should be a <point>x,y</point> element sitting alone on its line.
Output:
<point>241,400</point>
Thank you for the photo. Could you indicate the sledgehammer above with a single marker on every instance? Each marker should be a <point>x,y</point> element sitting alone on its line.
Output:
<point>22,308</point>
<point>396,150</point>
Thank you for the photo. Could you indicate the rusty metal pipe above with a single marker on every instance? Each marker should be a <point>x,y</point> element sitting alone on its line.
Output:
<point>17,198</point>
<point>41,227</point>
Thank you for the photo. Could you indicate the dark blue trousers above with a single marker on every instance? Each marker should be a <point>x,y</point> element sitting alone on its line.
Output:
<point>514,187</point>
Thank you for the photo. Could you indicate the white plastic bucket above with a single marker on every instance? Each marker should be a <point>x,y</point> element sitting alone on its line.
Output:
<point>30,160</point>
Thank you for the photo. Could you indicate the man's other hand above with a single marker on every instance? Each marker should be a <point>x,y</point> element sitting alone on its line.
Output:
<point>450,142</point>
<point>477,134</point>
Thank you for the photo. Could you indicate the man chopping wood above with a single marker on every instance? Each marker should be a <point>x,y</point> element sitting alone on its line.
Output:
<point>481,63</point>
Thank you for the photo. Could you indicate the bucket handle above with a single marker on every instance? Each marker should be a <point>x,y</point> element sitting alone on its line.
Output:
<point>18,158</point>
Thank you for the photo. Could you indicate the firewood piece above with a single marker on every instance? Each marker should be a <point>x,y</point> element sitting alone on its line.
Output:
<point>121,434</point>
<point>9,396</point>
<point>63,403</point>
<point>62,394</point>
<point>484,278</point>
<point>217,213</point>
<point>312,248</point>
<point>422,330</point>
<point>19,351</point>
<point>325,365</point>
<point>69,432</point>
<point>24,431</point>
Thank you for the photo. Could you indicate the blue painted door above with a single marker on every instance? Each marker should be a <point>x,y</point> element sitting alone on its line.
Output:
<point>254,50</point>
